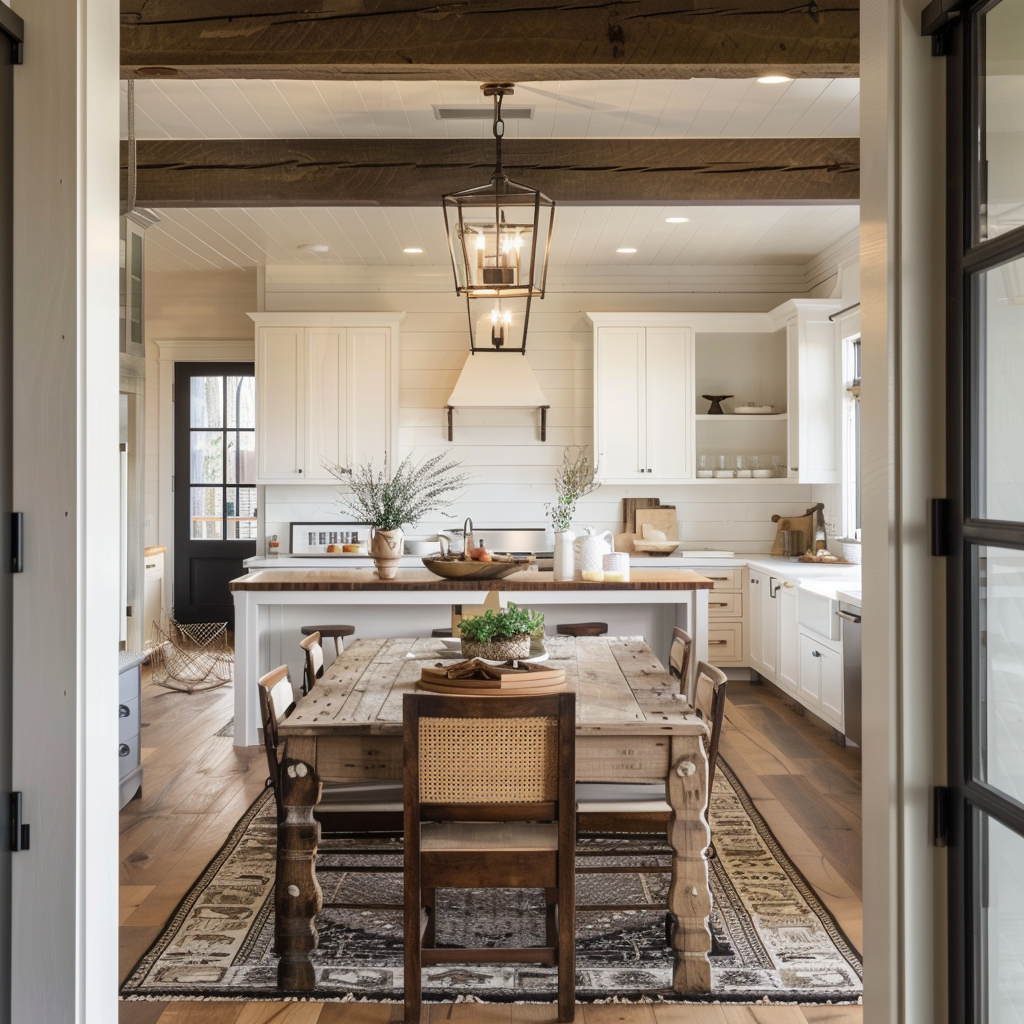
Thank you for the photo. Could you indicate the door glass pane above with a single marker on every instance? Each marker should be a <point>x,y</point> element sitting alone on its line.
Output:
<point>241,511</point>
<point>1001,102</point>
<point>1002,925</point>
<point>241,400</point>
<point>207,408</point>
<point>1001,371</point>
<point>1000,659</point>
<point>207,513</point>
<point>241,460</point>
<point>207,461</point>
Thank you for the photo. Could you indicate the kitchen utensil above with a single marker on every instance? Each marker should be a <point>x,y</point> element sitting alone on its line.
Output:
<point>457,568</point>
<point>704,466</point>
<point>716,404</point>
<point>664,519</point>
<point>791,543</point>
<point>804,524</point>
<point>589,549</point>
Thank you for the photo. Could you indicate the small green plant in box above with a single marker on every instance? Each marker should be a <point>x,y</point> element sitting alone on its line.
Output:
<point>503,635</point>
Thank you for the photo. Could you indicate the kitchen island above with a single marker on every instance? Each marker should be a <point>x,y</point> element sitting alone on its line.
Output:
<point>265,639</point>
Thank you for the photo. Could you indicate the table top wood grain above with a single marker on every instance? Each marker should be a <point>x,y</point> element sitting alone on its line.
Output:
<point>621,686</point>
<point>423,579</point>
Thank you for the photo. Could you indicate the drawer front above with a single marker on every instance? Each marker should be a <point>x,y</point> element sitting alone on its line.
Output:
<point>725,606</point>
<point>128,684</point>
<point>128,719</point>
<point>154,564</point>
<point>128,751</point>
<point>724,579</point>
<point>725,643</point>
<point>621,758</point>
<point>352,758</point>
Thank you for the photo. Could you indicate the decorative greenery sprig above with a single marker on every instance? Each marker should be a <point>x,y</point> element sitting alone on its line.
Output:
<point>574,480</point>
<point>411,493</point>
<point>492,625</point>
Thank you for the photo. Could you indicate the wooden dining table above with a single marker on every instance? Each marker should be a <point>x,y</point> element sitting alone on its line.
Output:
<point>631,726</point>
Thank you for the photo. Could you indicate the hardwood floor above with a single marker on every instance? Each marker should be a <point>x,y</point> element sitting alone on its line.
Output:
<point>196,785</point>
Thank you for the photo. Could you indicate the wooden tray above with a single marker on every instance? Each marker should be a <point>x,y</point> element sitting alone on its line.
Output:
<point>495,677</point>
<point>477,691</point>
<point>465,569</point>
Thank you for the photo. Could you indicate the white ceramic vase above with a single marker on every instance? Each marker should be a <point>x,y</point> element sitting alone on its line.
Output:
<point>564,556</point>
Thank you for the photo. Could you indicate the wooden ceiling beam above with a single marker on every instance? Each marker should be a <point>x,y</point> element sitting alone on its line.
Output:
<point>416,172</point>
<point>489,40</point>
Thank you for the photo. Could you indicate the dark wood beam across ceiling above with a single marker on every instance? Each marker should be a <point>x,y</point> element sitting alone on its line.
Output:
<point>416,172</point>
<point>489,40</point>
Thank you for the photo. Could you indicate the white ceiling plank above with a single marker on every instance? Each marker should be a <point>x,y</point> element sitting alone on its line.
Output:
<point>718,106</point>
<point>815,121</point>
<point>649,103</point>
<point>221,237</point>
<point>317,118</point>
<point>165,235</point>
<point>793,101</point>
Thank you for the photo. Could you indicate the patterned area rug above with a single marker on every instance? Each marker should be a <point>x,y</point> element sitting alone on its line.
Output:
<point>773,939</point>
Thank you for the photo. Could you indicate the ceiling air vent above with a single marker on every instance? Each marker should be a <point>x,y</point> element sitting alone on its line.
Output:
<point>481,113</point>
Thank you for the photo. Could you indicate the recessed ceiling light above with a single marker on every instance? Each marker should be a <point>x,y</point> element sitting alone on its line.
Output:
<point>412,250</point>
<point>315,247</point>
<point>625,249</point>
<point>774,79</point>
<point>677,220</point>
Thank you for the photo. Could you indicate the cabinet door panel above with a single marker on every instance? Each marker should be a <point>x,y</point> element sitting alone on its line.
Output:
<point>280,415</point>
<point>770,628</point>
<point>619,406</point>
<point>832,685</point>
<point>789,639</point>
<point>758,584</point>
<point>369,398</point>
<point>670,402</point>
<point>817,452</point>
<point>809,689</point>
<point>326,398</point>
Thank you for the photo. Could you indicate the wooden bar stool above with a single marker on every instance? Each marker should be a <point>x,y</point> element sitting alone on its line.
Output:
<point>582,628</point>
<point>336,633</point>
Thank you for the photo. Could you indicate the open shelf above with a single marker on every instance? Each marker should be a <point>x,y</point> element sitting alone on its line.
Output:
<point>745,480</point>
<point>705,417</point>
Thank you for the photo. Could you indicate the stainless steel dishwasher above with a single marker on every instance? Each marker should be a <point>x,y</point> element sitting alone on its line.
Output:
<point>849,617</point>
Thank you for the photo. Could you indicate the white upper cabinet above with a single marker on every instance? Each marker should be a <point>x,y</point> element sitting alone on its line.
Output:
<point>815,388</point>
<point>643,399</point>
<point>327,392</point>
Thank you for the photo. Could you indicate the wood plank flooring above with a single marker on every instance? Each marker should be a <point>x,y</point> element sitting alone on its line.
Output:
<point>196,785</point>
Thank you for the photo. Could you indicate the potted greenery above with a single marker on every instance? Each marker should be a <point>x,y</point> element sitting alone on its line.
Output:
<point>387,502</point>
<point>500,636</point>
<point>574,480</point>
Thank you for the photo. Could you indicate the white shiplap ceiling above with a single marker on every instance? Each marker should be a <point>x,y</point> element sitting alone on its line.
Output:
<point>584,236</point>
<point>692,108</point>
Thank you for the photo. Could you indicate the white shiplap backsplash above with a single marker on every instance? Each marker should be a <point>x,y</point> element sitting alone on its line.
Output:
<point>512,469</point>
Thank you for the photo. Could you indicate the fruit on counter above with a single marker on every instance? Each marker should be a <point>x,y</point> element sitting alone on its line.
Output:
<point>333,549</point>
<point>480,554</point>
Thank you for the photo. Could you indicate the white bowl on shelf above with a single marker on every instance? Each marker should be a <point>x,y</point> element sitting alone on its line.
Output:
<point>764,474</point>
<point>704,474</point>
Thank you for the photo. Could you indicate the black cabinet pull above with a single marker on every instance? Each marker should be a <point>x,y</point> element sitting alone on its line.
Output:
<point>124,711</point>
<point>124,750</point>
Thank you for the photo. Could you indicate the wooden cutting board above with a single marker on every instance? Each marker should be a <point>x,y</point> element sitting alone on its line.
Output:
<point>629,508</point>
<point>664,518</point>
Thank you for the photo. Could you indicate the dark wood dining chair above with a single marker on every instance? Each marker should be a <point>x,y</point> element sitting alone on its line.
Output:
<point>344,806</point>
<point>709,703</point>
<point>313,661</point>
<point>490,802</point>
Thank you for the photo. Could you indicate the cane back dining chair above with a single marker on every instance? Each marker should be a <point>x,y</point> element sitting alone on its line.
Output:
<point>490,802</point>
<point>679,660</point>
<point>343,807</point>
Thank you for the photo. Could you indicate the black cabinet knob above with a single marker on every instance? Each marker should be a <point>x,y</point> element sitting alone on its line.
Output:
<point>124,750</point>
<point>124,711</point>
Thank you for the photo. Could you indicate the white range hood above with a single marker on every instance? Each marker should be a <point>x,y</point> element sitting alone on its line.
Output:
<point>497,380</point>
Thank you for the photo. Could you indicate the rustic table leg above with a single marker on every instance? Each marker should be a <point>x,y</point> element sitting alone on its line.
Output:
<point>297,897</point>
<point>689,898</point>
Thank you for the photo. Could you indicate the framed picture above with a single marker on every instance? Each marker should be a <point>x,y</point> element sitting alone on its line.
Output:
<point>329,538</point>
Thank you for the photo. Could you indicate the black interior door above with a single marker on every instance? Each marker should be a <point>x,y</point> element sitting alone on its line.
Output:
<point>214,486</point>
<point>985,380</point>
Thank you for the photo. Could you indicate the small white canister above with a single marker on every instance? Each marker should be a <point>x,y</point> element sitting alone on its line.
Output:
<point>616,567</point>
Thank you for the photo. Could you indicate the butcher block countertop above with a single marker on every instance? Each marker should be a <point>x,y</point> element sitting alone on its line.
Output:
<point>423,579</point>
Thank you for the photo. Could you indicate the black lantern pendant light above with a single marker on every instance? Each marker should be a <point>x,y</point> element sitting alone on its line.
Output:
<point>499,235</point>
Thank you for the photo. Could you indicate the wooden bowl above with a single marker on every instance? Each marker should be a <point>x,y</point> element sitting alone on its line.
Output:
<point>461,569</point>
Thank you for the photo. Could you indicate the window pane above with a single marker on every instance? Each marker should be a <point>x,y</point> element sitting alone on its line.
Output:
<point>241,392</point>
<point>241,513</point>
<point>1002,924</point>
<point>241,460</point>
<point>1001,372</point>
<point>1000,659</point>
<point>207,408</point>
<point>207,513</point>
<point>1001,97</point>
<point>207,462</point>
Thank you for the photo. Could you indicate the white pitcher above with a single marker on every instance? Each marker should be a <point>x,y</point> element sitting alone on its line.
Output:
<point>590,549</point>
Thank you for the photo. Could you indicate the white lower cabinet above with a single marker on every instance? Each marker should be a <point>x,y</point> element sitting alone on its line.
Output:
<point>788,674</point>
<point>821,678</point>
<point>758,585</point>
